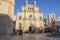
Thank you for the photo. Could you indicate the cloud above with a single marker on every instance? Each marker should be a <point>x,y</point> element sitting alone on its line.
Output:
<point>58,17</point>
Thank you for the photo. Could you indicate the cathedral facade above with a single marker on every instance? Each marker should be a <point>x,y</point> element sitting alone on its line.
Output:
<point>29,17</point>
<point>6,16</point>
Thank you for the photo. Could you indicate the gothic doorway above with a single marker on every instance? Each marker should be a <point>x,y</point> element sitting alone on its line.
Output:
<point>31,28</point>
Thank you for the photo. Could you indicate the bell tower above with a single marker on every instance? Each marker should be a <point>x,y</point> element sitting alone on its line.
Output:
<point>26,5</point>
<point>11,8</point>
<point>26,2</point>
<point>6,16</point>
<point>34,3</point>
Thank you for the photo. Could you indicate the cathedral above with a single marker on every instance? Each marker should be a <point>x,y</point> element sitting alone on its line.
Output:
<point>29,17</point>
<point>6,16</point>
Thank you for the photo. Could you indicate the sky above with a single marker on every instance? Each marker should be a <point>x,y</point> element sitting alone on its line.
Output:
<point>45,6</point>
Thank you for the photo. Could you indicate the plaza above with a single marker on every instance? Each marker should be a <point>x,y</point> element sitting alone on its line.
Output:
<point>29,21</point>
<point>43,36</point>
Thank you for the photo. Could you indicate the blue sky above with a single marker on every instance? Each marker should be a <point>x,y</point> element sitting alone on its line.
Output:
<point>45,6</point>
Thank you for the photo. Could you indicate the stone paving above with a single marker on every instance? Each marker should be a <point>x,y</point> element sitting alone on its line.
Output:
<point>28,37</point>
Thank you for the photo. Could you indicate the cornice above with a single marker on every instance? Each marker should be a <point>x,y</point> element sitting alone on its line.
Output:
<point>8,1</point>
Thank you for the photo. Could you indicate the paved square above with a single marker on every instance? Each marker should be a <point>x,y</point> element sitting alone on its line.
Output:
<point>29,37</point>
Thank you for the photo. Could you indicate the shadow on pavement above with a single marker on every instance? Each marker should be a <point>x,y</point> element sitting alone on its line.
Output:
<point>54,35</point>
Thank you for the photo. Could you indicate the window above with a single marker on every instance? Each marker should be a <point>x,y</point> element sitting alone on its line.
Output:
<point>20,25</point>
<point>40,18</point>
<point>29,8</point>
<point>20,17</point>
<point>30,16</point>
<point>32,8</point>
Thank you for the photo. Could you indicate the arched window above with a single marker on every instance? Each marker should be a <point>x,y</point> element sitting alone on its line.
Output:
<point>32,8</point>
<point>28,8</point>
<point>30,16</point>
<point>20,25</point>
<point>20,17</point>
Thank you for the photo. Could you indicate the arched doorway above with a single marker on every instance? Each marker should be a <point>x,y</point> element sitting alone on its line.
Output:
<point>31,28</point>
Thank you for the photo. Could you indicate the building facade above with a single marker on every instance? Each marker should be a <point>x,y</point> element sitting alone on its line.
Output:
<point>29,17</point>
<point>51,17</point>
<point>57,21</point>
<point>46,22</point>
<point>6,16</point>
